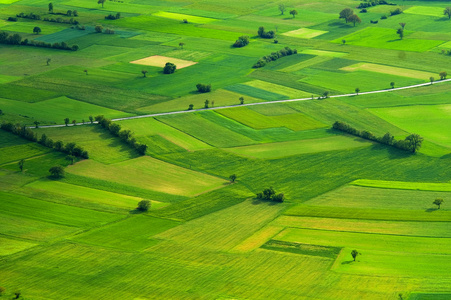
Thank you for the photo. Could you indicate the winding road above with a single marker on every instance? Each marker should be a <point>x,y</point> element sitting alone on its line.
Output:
<point>252,104</point>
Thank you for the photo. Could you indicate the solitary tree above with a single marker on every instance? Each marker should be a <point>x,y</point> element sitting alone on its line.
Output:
<point>282,8</point>
<point>206,103</point>
<point>181,44</point>
<point>346,13</point>
<point>169,68</point>
<point>21,163</point>
<point>357,90</point>
<point>51,7</point>
<point>69,13</point>
<point>400,32</point>
<point>57,171</point>
<point>232,178</point>
<point>354,254</point>
<point>91,119</point>
<point>431,79</point>
<point>241,100</point>
<point>144,205</point>
<point>101,2</point>
<point>354,19</point>
<point>392,84</point>
<point>447,12</point>
<point>144,73</point>
<point>74,122</point>
<point>443,75</point>
<point>36,30</point>
<point>48,61</point>
<point>293,12</point>
<point>343,42</point>
<point>86,71</point>
<point>190,107</point>
<point>326,94</point>
<point>438,202</point>
<point>66,121</point>
<point>415,141</point>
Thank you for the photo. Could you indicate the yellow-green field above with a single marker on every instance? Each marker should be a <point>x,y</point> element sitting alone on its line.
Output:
<point>389,70</point>
<point>305,33</point>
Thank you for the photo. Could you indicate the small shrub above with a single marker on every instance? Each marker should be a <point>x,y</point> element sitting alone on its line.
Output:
<point>144,205</point>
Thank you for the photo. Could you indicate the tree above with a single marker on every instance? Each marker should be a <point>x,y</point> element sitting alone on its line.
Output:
<point>438,202</point>
<point>282,8</point>
<point>326,94</point>
<point>74,122</point>
<point>36,30</point>
<point>190,107</point>
<point>293,13</point>
<point>354,254</point>
<point>392,84</point>
<point>36,123</point>
<point>443,75</point>
<point>343,42</point>
<point>357,90</point>
<point>447,12</point>
<point>51,7</point>
<point>144,73</point>
<point>69,13</point>
<point>346,13</point>
<point>86,71</point>
<point>101,2</point>
<point>169,68</point>
<point>71,158</point>
<point>98,28</point>
<point>181,44</point>
<point>414,140</point>
<point>431,79</point>
<point>66,121</point>
<point>402,25</point>
<point>144,205</point>
<point>91,119</point>
<point>57,171</point>
<point>400,32</point>
<point>206,103</point>
<point>241,41</point>
<point>21,163</point>
<point>241,100</point>
<point>75,13</point>
<point>232,178</point>
<point>48,61</point>
<point>354,19</point>
<point>203,88</point>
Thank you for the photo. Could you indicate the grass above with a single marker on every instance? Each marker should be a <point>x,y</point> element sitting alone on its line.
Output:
<point>181,17</point>
<point>389,70</point>
<point>10,246</point>
<point>420,186</point>
<point>18,152</point>
<point>304,33</point>
<point>284,149</point>
<point>152,174</point>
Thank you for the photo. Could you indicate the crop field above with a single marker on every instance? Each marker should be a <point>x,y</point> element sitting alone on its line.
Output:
<point>80,234</point>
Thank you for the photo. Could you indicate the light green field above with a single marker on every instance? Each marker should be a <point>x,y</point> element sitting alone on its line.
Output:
<point>421,186</point>
<point>10,246</point>
<point>289,92</point>
<point>181,17</point>
<point>390,70</point>
<point>90,195</point>
<point>293,121</point>
<point>150,173</point>
<point>430,121</point>
<point>15,153</point>
<point>284,149</point>
<point>324,53</point>
<point>425,11</point>
<point>305,33</point>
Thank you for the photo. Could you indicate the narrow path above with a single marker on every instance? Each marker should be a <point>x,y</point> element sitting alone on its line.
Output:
<point>252,104</point>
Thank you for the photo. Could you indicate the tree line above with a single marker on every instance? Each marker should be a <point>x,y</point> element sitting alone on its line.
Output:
<point>125,135</point>
<point>16,39</point>
<point>27,133</point>
<point>34,16</point>
<point>274,56</point>
<point>411,143</point>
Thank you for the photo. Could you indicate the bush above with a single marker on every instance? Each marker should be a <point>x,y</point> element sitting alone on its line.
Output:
<point>144,205</point>
<point>383,17</point>
<point>269,194</point>
<point>203,88</point>
<point>241,42</point>
<point>169,68</point>
<point>12,19</point>
<point>265,35</point>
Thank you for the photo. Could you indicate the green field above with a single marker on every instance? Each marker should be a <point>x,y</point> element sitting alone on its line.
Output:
<point>207,235</point>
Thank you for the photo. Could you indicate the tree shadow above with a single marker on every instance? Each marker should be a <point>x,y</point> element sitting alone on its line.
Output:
<point>446,156</point>
<point>340,24</point>
<point>347,262</point>
<point>429,210</point>
<point>442,19</point>
<point>396,40</point>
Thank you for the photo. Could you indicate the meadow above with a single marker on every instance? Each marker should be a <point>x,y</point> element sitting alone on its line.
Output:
<point>206,234</point>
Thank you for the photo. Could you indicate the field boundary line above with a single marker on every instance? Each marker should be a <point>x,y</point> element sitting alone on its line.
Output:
<point>249,104</point>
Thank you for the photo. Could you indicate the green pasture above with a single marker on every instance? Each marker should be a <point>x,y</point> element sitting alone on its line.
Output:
<point>181,17</point>
<point>284,149</point>
<point>11,246</point>
<point>400,185</point>
<point>430,121</point>
<point>286,91</point>
<point>149,173</point>
<point>390,70</point>
<point>305,33</point>
<point>8,139</point>
<point>27,27</point>
<point>134,233</point>
<point>18,152</point>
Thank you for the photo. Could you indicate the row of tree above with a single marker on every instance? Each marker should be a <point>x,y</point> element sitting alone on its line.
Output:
<point>16,39</point>
<point>125,135</point>
<point>410,143</point>
<point>269,194</point>
<point>274,56</point>
<point>369,3</point>
<point>27,133</point>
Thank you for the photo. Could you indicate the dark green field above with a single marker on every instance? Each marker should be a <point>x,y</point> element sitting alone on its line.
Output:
<point>206,236</point>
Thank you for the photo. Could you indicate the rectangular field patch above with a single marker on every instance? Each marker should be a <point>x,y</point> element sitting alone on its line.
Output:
<point>305,33</point>
<point>435,11</point>
<point>402,185</point>
<point>10,246</point>
<point>181,17</point>
<point>389,70</point>
<point>160,61</point>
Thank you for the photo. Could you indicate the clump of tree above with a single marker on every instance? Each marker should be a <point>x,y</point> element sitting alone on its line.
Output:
<point>274,56</point>
<point>125,135</point>
<point>31,16</point>
<point>98,28</point>
<point>57,172</point>
<point>203,88</point>
<point>411,143</point>
<point>266,34</point>
<point>16,39</point>
<point>108,31</point>
<point>396,11</point>
<point>61,20</point>
<point>270,194</point>
<point>12,19</point>
<point>370,3</point>
<point>241,41</point>
<point>169,68</point>
<point>443,75</point>
<point>349,16</point>
<point>113,17</point>
<point>144,205</point>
